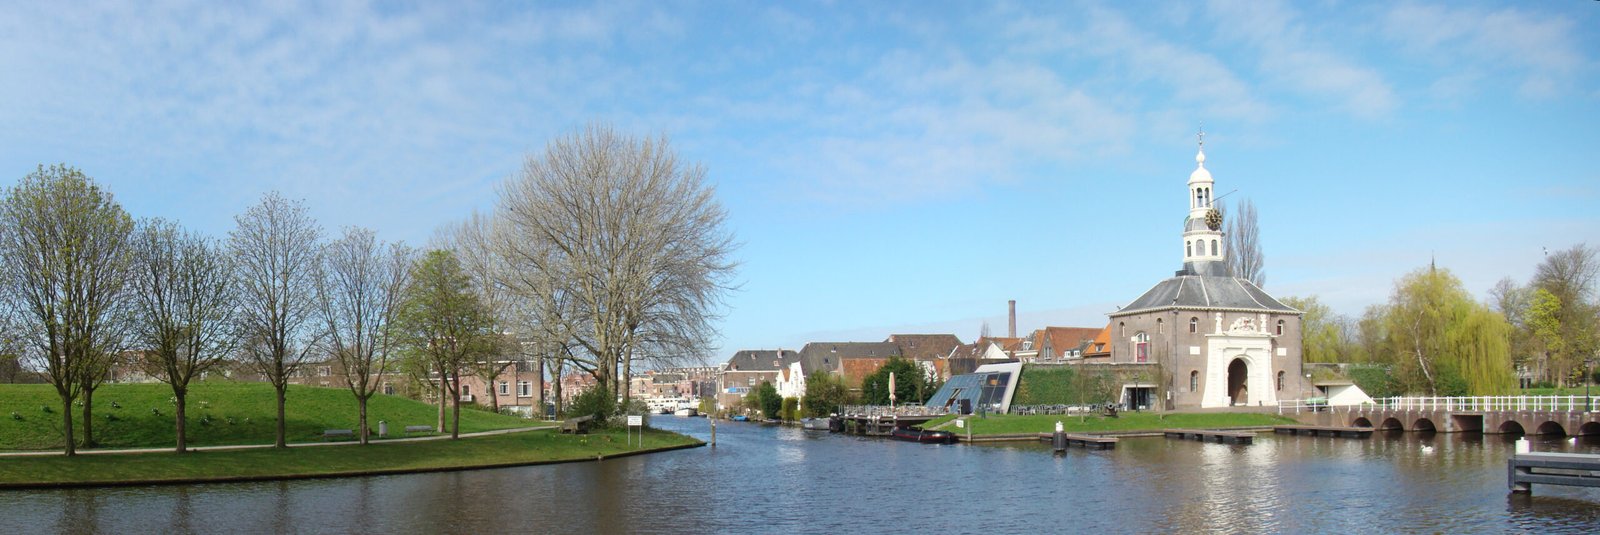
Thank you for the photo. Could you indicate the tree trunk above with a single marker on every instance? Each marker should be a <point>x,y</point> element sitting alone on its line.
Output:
<point>282,431</point>
<point>444,389</point>
<point>626,381</point>
<point>494,394</point>
<point>66,425</point>
<point>182,425</point>
<point>555,388</point>
<point>538,388</point>
<point>362,403</point>
<point>455,405</point>
<point>88,417</point>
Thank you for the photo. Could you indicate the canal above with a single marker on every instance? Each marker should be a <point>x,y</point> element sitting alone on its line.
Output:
<point>765,479</point>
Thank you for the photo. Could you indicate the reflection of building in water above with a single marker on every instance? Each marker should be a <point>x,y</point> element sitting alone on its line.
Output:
<point>1208,338</point>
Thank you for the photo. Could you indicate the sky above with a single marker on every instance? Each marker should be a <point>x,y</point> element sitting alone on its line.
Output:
<point>887,167</point>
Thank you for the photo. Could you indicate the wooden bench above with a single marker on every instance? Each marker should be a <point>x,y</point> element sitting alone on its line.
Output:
<point>578,426</point>
<point>419,429</point>
<point>338,433</point>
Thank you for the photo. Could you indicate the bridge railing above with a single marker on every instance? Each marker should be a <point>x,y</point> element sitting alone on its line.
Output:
<point>898,410</point>
<point>1454,404</point>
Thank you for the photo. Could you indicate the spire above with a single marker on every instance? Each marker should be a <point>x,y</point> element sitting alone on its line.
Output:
<point>1200,157</point>
<point>1202,233</point>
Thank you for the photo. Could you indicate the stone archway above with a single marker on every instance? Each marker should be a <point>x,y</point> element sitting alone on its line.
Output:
<point>1392,424</point>
<point>1238,377</point>
<point>1511,427</point>
<point>1423,424</point>
<point>1590,428</point>
<point>1361,422</point>
<point>1551,428</point>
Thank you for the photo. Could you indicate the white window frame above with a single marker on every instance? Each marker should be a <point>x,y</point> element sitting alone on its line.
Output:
<point>505,388</point>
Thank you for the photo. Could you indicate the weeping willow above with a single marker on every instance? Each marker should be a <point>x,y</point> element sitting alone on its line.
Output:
<point>1443,342</point>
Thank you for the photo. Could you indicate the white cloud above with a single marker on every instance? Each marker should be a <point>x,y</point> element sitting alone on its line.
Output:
<point>1542,52</point>
<point>1300,60</point>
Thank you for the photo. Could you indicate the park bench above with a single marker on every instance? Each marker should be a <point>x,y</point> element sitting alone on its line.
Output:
<point>579,425</point>
<point>338,433</point>
<point>419,429</point>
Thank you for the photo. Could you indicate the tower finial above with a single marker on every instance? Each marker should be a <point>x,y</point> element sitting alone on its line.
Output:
<point>1202,135</point>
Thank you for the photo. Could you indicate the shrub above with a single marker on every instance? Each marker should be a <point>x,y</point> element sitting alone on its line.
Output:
<point>791,409</point>
<point>597,401</point>
<point>1374,380</point>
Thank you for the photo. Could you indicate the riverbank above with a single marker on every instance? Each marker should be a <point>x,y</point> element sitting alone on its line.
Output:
<point>1127,422</point>
<point>381,458</point>
<point>219,413</point>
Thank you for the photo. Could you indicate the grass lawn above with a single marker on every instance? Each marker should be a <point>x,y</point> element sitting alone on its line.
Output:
<point>1002,424</point>
<point>1565,391</point>
<point>220,413</point>
<point>266,463</point>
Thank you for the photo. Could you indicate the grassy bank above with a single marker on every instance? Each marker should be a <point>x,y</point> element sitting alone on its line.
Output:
<point>267,463</point>
<point>220,413</point>
<point>1003,424</point>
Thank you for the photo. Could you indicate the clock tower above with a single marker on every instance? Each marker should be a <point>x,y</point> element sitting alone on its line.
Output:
<point>1203,252</point>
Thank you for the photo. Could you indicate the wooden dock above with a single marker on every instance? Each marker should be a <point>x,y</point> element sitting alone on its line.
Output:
<point>1568,469</point>
<point>1061,441</point>
<point>1320,431</point>
<point>1211,435</point>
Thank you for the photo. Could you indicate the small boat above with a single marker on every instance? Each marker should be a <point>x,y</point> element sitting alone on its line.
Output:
<point>814,424</point>
<point>910,434</point>
<point>686,411</point>
<point>740,418</point>
<point>664,410</point>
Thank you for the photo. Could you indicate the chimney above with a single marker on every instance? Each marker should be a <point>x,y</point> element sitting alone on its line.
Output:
<point>1012,331</point>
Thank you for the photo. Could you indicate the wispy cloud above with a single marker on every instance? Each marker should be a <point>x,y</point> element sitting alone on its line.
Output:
<point>1540,52</point>
<point>1301,60</point>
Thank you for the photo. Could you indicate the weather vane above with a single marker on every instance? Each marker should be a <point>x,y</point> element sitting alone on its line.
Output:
<point>1202,134</point>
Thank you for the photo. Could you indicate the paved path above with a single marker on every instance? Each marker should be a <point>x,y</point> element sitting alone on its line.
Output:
<point>292,445</point>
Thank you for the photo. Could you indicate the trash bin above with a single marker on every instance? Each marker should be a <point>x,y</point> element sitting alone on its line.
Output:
<point>383,429</point>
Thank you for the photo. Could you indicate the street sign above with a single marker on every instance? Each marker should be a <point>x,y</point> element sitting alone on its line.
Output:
<point>961,424</point>
<point>635,420</point>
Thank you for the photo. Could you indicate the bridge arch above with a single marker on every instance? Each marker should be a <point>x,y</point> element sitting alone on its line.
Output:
<point>1512,427</point>
<point>1590,428</point>
<point>1551,428</point>
<point>1391,424</point>
<point>1423,424</point>
<point>1361,422</point>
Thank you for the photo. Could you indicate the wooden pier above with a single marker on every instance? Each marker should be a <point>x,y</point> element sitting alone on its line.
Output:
<point>1061,441</point>
<point>1568,469</point>
<point>1211,435</point>
<point>1320,431</point>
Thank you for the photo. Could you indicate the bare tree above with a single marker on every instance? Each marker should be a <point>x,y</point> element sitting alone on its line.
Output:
<point>443,321</point>
<point>473,242</point>
<point>64,261</point>
<point>360,282</point>
<point>275,247</point>
<point>621,249</point>
<point>183,287</point>
<point>1570,277</point>
<point>1243,247</point>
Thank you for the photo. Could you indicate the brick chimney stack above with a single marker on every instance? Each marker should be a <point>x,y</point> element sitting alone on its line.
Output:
<point>1011,332</point>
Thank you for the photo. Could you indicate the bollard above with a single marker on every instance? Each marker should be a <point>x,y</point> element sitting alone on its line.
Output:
<point>1522,445</point>
<point>1059,442</point>
<point>383,428</point>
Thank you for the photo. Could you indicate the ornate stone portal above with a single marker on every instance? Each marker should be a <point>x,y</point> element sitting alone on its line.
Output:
<point>1246,342</point>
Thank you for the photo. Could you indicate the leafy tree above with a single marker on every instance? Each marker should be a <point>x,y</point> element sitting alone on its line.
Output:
<point>909,383</point>
<point>768,401</point>
<point>791,409</point>
<point>65,257</point>
<point>597,401</point>
<point>1569,277</point>
<point>825,392</point>
<point>1323,334</point>
<point>1437,333</point>
<point>442,321</point>
<point>184,292</point>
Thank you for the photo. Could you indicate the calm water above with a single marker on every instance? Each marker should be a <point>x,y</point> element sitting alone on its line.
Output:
<point>763,479</point>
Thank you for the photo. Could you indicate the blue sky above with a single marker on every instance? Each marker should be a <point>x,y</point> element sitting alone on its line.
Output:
<point>889,167</point>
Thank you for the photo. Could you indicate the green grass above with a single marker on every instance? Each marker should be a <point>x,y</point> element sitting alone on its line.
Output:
<point>507,449</point>
<point>1564,391</point>
<point>1041,385</point>
<point>233,413</point>
<point>1003,424</point>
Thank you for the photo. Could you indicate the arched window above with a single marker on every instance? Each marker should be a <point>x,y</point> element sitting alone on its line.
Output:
<point>1199,198</point>
<point>1213,247</point>
<point>1194,381</point>
<point>1280,381</point>
<point>1194,325</point>
<point>1188,249</point>
<point>1159,327</point>
<point>1280,327</point>
<point>1122,329</point>
<point>1141,347</point>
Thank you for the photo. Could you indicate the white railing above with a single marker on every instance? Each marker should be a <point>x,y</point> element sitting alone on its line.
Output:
<point>899,410</point>
<point>1453,404</point>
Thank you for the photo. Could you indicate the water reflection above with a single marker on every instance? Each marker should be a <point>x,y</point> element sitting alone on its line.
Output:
<point>770,479</point>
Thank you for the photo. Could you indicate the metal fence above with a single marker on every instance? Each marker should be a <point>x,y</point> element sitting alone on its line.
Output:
<point>1454,404</point>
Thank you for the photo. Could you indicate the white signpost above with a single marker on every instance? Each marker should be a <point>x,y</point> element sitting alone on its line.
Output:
<point>635,420</point>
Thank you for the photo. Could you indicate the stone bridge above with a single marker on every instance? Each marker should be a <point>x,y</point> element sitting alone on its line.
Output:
<point>1533,415</point>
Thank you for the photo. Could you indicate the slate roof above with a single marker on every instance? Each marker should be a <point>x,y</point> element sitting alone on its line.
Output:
<point>761,360</point>
<point>1205,292</point>
<point>924,346</point>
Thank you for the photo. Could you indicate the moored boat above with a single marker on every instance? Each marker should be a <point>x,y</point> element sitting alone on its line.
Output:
<point>814,424</point>
<point>686,411</point>
<point>921,436</point>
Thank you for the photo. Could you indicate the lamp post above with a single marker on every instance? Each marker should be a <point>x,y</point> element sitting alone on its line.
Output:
<point>1588,377</point>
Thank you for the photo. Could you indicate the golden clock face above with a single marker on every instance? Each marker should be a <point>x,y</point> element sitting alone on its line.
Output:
<point>1214,219</point>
